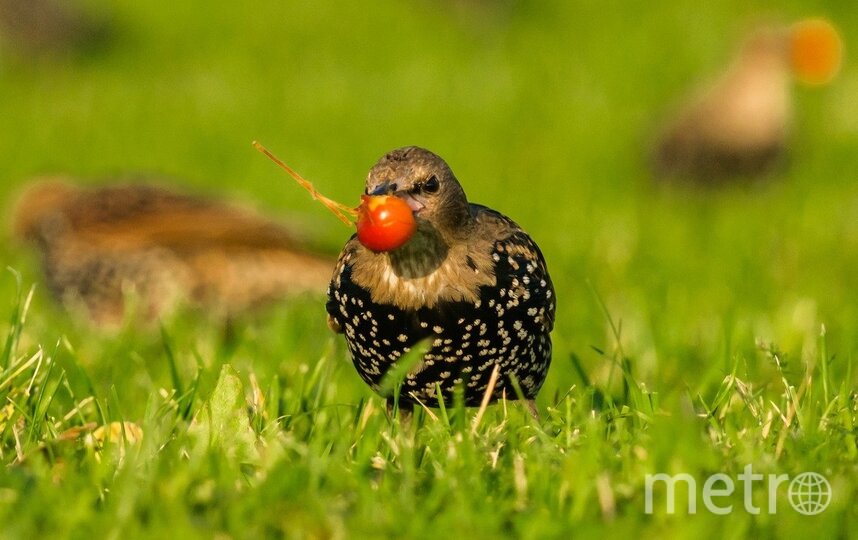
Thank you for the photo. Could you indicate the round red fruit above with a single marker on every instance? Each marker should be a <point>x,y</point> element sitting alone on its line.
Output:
<point>384,222</point>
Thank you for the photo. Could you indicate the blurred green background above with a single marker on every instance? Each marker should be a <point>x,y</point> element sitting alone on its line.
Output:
<point>545,111</point>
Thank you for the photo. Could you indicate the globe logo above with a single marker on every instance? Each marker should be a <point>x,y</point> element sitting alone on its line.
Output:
<point>809,493</point>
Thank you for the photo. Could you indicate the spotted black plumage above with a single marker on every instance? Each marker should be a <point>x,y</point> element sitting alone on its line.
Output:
<point>483,299</point>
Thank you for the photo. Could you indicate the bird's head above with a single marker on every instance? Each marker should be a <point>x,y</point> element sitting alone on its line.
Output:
<point>425,182</point>
<point>811,49</point>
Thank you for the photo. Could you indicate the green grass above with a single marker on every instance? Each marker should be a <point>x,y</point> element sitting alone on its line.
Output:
<point>696,332</point>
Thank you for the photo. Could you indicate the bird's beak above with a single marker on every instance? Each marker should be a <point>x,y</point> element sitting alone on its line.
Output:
<point>387,189</point>
<point>415,205</point>
<point>383,189</point>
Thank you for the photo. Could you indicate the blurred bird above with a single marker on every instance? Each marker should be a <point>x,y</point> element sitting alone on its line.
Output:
<point>739,126</point>
<point>104,247</point>
<point>470,283</point>
<point>40,26</point>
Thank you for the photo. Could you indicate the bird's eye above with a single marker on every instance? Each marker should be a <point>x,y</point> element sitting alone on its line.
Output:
<point>431,184</point>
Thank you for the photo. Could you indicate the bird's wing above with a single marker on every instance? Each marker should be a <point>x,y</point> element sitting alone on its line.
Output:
<point>332,306</point>
<point>518,258</point>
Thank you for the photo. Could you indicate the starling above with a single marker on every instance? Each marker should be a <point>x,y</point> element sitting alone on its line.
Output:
<point>739,126</point>
<point>470,283</point>
<point>101,247</point>
<point>34,27</point>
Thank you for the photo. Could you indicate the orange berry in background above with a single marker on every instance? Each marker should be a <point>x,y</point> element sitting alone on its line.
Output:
<point>816,51</point>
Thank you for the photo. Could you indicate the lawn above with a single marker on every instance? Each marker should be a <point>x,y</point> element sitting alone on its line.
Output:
<point>697,332</point>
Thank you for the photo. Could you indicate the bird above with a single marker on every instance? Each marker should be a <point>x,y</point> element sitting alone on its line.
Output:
<point>470,284</point>
<point>739,126</point>
<point>108,249</point>
<point>38,27</point>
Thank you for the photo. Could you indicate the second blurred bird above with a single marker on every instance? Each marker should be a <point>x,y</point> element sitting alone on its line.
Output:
<point>45,27</point>
<point>107,251</point>
<point>739,126</point>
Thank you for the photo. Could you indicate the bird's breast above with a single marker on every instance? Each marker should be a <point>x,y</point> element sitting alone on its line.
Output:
<point>420,281</point>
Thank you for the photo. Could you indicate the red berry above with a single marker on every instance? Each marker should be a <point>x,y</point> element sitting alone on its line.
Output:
<point>384,222</point>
